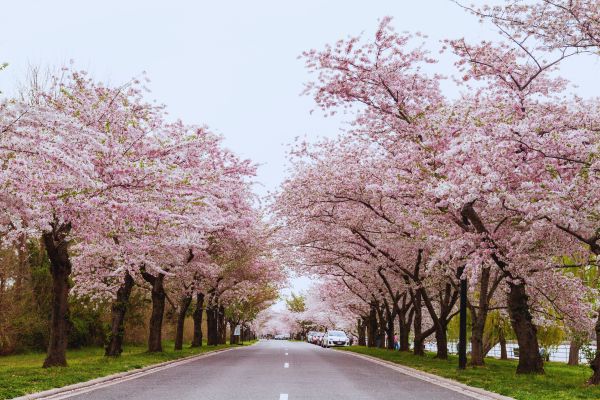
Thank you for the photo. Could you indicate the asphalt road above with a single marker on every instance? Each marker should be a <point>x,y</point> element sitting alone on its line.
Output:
<point>278,370</point>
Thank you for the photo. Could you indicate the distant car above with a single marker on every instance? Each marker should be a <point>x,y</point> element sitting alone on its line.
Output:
<point>335,338</point>
<point>317,337</point>
<point>285,336</point>
<point>309,336</point>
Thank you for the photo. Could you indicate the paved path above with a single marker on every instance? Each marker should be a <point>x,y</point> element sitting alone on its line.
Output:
<point>278,370</point>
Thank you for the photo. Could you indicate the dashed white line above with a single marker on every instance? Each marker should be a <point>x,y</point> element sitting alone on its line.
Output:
<point>286,354</point>
<point>286,365</point>
<point>283,396</point>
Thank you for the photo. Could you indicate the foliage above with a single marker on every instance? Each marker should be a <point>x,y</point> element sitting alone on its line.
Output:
<point>296,303</point>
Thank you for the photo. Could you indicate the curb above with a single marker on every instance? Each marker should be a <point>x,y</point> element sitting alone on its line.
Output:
<point>97,383</point>
<point>473,392</point>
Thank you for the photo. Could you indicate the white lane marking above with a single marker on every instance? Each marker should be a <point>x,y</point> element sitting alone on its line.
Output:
<point>283,396</point>
<point>286,354</point>
<point>286,365</point>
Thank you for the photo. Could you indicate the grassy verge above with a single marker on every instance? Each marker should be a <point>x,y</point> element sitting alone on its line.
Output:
<point>561,381</point>
<point>22,374</point>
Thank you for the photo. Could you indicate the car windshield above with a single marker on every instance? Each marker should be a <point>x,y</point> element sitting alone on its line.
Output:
<point>336,333</point>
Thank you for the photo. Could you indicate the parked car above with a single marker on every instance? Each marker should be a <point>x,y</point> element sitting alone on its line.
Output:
<point>335,338</point>
<point>309,336</point>
<point>317,338</point>
<point>282,337</point>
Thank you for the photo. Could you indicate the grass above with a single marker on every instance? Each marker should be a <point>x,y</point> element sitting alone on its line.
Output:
<point>22,374</point>
<point>560,381</point>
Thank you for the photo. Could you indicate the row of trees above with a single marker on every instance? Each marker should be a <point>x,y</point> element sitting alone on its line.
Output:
<point>498,186</point>
<point>116,196</point>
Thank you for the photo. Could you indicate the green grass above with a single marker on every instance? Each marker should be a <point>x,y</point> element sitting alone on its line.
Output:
<point>22,374</point>
<point>560,381</point>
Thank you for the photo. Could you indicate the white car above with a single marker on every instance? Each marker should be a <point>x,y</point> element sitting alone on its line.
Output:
<point>335,338</point>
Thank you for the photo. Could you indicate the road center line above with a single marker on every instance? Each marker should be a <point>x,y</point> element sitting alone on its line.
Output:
<point>286,365</point>
<point>286,354</point>
<point>283,396</point>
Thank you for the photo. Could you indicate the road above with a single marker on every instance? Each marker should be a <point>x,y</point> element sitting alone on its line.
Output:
<point>278,370</point>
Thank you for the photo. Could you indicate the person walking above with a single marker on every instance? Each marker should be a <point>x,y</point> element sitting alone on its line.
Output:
<point>396,343</point>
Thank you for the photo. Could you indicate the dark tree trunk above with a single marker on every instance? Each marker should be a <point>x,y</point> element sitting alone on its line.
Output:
<point>114,347</point>
<point>222,326</point>
<point>419,340</point>
<point>390,335</point>
<point>574,348</point>
<point>381,326</point>
<point>503,352</point>
<point>477,351</point>
<point>595,364</point>
<point>197,317</point>
<point>158,310</point>
<point>390,332</point>
<point>233,339</point>
<point>211,325</point>
<point>56,244</point>
<point>404,322</point>
<point>530,360</point>
<point>183,307</point>
<point>479,317</point>
<point>404,337</point>
<point>441,340</point>
<point>362,335</point>
<point>372,326</point>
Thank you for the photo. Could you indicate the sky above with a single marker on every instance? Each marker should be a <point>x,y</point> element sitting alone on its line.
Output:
<point>231,65</point>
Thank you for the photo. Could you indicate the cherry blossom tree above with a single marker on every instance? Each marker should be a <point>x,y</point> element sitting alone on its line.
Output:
<point>117,194</point>
<point>555,136</point>
<point>74,161</point>
<point>450,166</point>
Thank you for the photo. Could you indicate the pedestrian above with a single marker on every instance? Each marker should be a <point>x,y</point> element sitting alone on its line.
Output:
<point>396,343</point>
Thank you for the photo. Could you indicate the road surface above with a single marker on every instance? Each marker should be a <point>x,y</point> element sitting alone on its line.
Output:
<point>278,370</point>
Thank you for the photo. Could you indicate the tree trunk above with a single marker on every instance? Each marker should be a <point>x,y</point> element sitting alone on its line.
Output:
<point>441,340</point>
<point>158,310</point>
<point>530,360</point>
<point>477,351</point>
<point>372,327</point>
<point>197,317</point>
<point>574,348</point>
<point>114,347</point>
<point>233,339</point>
<point>479,317</point>
<point>60,267</point>
<point>362,336</point>
<point>211,325</point>
<point>222,325</point>
<point>404,322</point>
<point>595,364</point>
<point>503,352</point>
<point>390,332</point>
<point>404,337</point>
<point>381,327</point>
<point>183,307</point>
<point>419,345</point>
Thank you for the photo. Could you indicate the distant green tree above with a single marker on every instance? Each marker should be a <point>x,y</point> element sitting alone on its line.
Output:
<point>296,303</point>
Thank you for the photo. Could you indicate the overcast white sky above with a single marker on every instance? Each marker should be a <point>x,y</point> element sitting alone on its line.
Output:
<point>229,64</point>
